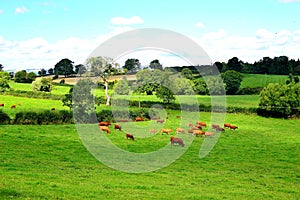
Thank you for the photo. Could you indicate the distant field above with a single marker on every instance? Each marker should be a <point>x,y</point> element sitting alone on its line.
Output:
<point>260,80</point>
<point>257,161</point>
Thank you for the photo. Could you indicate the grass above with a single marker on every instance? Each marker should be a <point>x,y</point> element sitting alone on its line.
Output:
<point>260,160</point>
<point>260,80</point>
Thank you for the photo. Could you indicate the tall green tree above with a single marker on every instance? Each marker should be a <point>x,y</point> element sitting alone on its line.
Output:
<point>80,69</point>
<point>1,67</point>
<point>122,87</point>
<point>155,64</point>
<point>232,80</point>
<point>24,77</point>
<point>187,73</point>
<point>132,64</point>
<point>104,67</point>
<point>50,71</point>
<point>234,64</point>
<point>165,94</point>
<point>64,67</point>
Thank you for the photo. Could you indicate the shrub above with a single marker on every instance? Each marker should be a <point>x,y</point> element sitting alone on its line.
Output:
<point>4,118</point>
<point>24,77</point>
<point>62,81</point>
<point>43,85</point>
<point>232,80</point>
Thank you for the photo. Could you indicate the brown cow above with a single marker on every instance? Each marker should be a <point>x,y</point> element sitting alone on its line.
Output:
<point>130,136</point>
<point>180,130</point>
<point>13,106</point>
<point>153,131</point>
<point>215,126</point>
<point>1,104</point>
<point>209,134</point>
<point>117,126</point>
<point>166,130</point>
<point>219,129</point>
<point>104,123</point>
<point>190,131</point>
<point>105,128</point>
<point>202,124</point>
<point>160,121</point>
<point>198,132</point>
<point>174,140</point>
<point>138,119</point>
<point>233,127</point>
<point>178,116</point>
<point>226,125</point>
<point>123,120</point>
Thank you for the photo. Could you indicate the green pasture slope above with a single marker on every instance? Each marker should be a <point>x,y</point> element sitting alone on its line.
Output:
<point>261,80</point>
<point>260,160</point>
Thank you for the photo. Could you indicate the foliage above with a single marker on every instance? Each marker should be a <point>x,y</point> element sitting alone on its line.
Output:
<point>80,69</point>
<point>42,72</point>
<point>122,87</point>
<point>232,80</point>
<point>234,64</point>
<point>104,67</point>
<point>4,118</point>
<point>165,94</point>
<point>200,86</point>
<point>50,71</point>
<point>187,73</point>
<point>155,64</point>
<point>4,75</point>
<point>132,64</point>
<point>183,86</point>
<point>1,67</point>
<point>64,67</point>
<point>215,85</point>
<point>24,77</point>
<point>279,100</point>
<point>42,84</point>
<point>4,84</point>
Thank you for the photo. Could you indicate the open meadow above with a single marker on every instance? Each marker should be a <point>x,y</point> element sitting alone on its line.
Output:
<point>259,160</point>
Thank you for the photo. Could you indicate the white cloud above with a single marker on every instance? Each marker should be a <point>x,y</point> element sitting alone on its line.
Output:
<point>21,10</point>
<point>126,21</point>
<point>199,25</point>
<point>1,11</point>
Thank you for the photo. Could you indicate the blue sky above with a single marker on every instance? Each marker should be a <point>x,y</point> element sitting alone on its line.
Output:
<point>36,34</point>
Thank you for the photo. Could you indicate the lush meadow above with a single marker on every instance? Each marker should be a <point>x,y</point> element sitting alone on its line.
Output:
<point>260,160</point>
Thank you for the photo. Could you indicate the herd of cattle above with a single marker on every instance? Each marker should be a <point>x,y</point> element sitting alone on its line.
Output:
<point>13,106</point>
<point>196,129</point>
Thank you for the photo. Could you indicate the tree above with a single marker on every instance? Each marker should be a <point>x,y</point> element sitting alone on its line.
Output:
<point>165,94</point>
<point>104,67</point>
<point>24,77</point>
<point>122,87</point>
<point>187,73</point>
<point>154,64</point>
<point>234,64</point>
<point>219,66</point>
<point>132,64</point>
<point>64,67</point>
<point>232,80</point>
<point>42,84</point>
<point>31,77</point>
<point>200,86</point>
<point>183,86</point>
<point>1,67</point>
<point>50,71</point>
<point>80,69</point>
<point>42,72</point>
<point>4,84</point>
<point>215,85</point>
<point>4,75</point>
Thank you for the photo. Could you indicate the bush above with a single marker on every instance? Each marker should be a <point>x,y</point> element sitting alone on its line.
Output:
<point>4,118</point>
<point>24,77</point>
<point>232,80</point>
<point>249,91</point>
<point>43,85</point>
<point>62,81</point>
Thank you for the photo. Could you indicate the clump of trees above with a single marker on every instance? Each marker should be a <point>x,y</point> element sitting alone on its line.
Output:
<point>42,85</point>
<point>24,77</point>
<point>4,79</point>
<point>280,100</point>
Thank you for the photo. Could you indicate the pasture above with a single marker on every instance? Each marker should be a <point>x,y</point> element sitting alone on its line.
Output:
<point>259,160</point>
<point>262,80</point>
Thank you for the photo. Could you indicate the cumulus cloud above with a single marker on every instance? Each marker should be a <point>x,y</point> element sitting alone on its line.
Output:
<point>199,25</point>
<point>126,21</point>
<point>21,10</point>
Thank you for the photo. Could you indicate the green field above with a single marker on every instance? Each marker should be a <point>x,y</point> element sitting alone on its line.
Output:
<point>261,80</point>
<point>260,160</point>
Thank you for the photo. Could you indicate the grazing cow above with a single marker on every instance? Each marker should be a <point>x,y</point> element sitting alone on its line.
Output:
<point>123,120</point>
<point>166,130</point>
<point>195,128</point>
<point>233,127</point>
<point>153,131</point>
<point>202,124</point>
<point>105,128</point>
<point>226,125</point>
<point>180,130</point>
<point>198,126</point>
<point>198,132</point>
<point>191,131</point>
<point>138,119</point>
<point>13,106</point>
<point>53,109</point>
<point>215,126</point>
<point>220,129</point>
<point>104,123</point>
<point>129,136</point>
<point>209,134</point>
<point>117,126</point>
<point>160,121</point>
<point>1,104</point>
<point>178,116</point>
<point>175,140</point>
